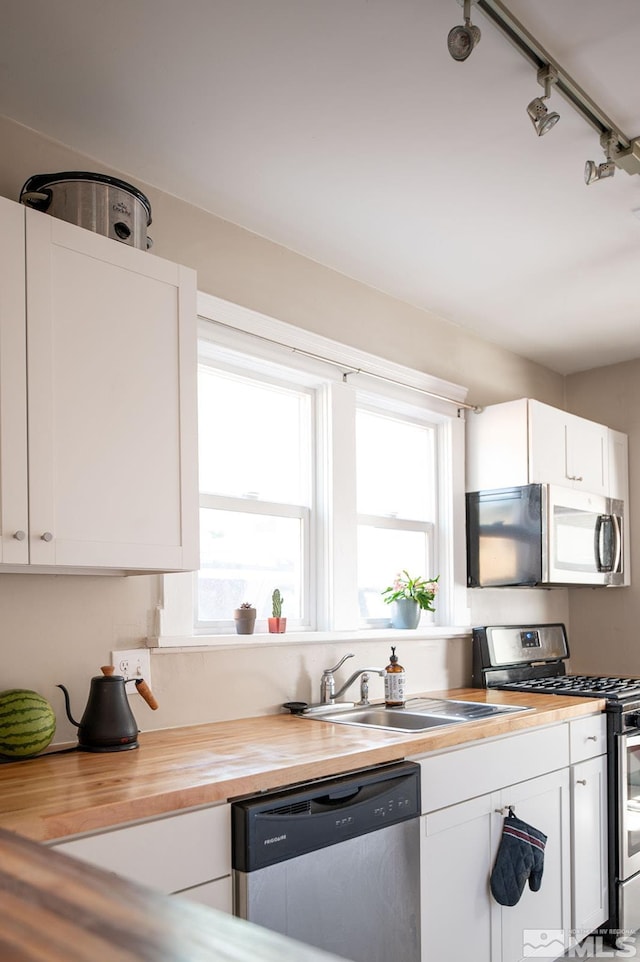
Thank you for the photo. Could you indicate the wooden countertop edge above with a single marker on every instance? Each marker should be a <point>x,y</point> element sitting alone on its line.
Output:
<point>179,769</point>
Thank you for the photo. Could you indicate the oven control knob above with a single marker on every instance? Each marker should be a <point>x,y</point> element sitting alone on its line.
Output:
<point>632,720</point>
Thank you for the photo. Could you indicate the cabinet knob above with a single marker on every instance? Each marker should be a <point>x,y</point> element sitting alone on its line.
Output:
<point>20,535</point>
<point>581,781</point>
<point>47,536</point>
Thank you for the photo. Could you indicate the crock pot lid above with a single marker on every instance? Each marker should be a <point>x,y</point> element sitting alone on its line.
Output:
<point>40,181</point>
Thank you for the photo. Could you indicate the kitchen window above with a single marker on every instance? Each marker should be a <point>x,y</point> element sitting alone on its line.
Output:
<point>255,457</point>
<point>396,504</point>
<point>318,479</point>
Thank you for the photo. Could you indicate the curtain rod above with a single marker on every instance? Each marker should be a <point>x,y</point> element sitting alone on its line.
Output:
<point>461,405</point>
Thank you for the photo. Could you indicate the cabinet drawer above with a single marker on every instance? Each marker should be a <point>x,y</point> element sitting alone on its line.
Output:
<point>168,854</point>
<point>454,776</point>
<point>587,737</point>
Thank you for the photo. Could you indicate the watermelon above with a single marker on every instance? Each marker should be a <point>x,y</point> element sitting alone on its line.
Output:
<point>27,722</point>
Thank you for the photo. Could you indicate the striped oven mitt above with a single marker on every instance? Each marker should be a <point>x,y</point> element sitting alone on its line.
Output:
<point>520,857</point>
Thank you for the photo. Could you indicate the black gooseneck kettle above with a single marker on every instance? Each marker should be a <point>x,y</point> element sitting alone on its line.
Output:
<point>108,724</point>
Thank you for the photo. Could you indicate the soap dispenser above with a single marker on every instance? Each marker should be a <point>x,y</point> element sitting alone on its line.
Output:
<point>394,683</point>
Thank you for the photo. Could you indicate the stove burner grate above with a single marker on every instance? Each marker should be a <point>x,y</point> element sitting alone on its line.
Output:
<point>589,686</point>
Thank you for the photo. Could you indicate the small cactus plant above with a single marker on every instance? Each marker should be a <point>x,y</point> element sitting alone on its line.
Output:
<point>246,604</point>
<point>276,602</point>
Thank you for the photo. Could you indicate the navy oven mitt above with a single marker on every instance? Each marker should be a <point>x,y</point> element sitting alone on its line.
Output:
<point>520,857</point>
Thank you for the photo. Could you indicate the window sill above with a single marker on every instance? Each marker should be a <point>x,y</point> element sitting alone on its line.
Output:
<point>185,643</point>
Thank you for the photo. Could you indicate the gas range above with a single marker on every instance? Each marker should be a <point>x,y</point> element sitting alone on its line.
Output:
<point>532,659</point>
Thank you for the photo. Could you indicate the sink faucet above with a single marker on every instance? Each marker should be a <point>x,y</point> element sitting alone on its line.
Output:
<point>328,693</point>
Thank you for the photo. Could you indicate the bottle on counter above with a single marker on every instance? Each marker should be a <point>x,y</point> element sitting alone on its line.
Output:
<point>394,683</point>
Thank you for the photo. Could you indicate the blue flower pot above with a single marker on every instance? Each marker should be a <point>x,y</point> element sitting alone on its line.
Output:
<point>406,613</point>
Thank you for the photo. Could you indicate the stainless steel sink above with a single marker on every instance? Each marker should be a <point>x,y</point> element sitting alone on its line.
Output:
<point>420,714</point>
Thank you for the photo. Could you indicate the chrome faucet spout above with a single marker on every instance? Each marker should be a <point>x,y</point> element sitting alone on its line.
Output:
<point>364,685</point>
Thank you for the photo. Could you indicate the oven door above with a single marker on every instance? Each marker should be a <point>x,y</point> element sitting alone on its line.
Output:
<point>629,803</point>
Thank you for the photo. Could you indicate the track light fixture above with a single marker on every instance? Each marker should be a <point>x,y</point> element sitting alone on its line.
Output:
<point>594,172</point>
<point>620,149</point>
<point>462,40</point>
<point>541,118</point>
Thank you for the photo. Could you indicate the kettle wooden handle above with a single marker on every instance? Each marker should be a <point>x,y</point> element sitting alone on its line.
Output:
<point>147,694</point>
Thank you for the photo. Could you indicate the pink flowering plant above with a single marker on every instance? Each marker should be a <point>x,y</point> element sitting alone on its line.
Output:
<point>412,589</point>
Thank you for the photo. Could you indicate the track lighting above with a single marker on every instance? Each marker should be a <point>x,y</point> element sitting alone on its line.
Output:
<point>462,40</point>
<point>541,118</point>
<point>594,172</point>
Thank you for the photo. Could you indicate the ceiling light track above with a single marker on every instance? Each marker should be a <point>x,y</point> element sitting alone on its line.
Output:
<point>625,150</point>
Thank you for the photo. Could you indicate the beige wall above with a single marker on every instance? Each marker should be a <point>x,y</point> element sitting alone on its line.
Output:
<point>605,633</point>
<point>60,628</point>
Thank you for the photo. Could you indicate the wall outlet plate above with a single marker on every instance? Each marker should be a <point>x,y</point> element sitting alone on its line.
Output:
<point>133,663</point>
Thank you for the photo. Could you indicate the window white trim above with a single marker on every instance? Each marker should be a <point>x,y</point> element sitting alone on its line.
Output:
<point>174,622</point>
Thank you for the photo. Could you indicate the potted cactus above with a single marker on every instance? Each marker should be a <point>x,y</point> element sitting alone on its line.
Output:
<point>245,618</point>
<point>277,624</point>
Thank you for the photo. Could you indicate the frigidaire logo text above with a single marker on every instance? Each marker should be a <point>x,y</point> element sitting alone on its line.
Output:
<point>276,838</point>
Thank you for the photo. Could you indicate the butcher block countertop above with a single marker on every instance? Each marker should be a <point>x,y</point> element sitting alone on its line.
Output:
<point>59,795</point>
<point>57,909</point>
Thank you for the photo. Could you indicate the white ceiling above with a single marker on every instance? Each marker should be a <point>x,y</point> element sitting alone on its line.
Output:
<point>343,130</point>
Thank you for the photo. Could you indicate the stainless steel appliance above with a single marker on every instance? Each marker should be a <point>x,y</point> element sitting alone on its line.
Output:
<point>97,202</point>
<point>542,534</point>
<point>335,863</point>
<point>532,658</point>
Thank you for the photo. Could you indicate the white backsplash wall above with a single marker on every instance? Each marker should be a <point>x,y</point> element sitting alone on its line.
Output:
<point>61,629</point>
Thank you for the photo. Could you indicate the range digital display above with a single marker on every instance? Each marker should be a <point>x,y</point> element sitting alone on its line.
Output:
<point>530,638</point>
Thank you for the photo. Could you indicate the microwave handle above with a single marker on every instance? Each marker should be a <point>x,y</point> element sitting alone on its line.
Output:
<point>617,550</point>
<point>613,559</point>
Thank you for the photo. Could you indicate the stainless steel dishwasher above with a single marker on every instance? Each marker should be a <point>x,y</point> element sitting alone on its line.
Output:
<point>335,863</point>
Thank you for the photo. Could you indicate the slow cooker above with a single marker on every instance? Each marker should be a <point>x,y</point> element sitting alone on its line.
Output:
<point>97,202</point>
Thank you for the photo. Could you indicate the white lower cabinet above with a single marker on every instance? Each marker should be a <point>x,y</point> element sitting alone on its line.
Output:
<point>455,861</point>
<point>556,780</point>
<point>187,854</point>
<point>460,918</point>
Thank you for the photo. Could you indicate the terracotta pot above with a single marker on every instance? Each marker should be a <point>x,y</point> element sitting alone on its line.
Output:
<point>245,619</point>
<point>277,626</point>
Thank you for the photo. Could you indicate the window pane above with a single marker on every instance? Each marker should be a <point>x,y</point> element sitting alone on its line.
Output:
<point>382,553</point>
<point>243,557</point>
<point>254,439</point>
<point>394,463</point>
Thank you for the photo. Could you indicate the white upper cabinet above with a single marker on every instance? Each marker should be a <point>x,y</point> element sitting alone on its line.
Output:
<point>527,442</point>
<point>109,384</point>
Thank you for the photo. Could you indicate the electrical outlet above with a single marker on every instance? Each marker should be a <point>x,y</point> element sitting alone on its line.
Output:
<point>131,664</point>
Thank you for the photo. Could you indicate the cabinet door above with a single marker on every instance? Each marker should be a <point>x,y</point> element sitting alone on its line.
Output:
<point>567,450</point>
<point>14,546</point>
<point>587,454</point>
<point>541,919</point>
<point>111,353</point>
<point>589,845</point>
<point>456,857</point>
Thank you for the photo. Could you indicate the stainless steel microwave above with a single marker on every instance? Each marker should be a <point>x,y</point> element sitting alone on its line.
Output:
<point>542,534</point>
